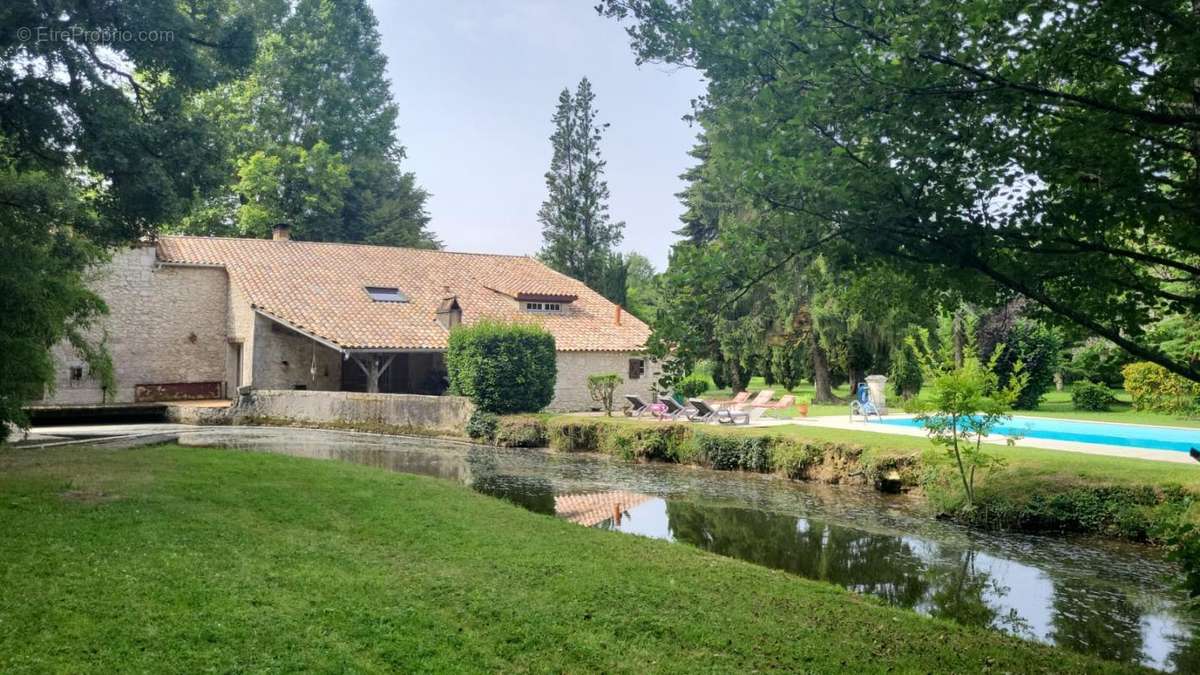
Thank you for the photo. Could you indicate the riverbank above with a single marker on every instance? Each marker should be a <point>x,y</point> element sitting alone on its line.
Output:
<point>165,558</point>
<point>1036,490</point>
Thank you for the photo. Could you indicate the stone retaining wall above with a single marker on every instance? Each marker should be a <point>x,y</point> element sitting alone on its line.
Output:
<point>448,413</point>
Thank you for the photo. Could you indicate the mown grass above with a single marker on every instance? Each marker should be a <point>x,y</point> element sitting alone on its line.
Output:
<point>1019,461</point>
<point>1055,404</point>
<point>173,559</point>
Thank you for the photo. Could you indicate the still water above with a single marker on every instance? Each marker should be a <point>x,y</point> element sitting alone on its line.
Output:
<point>1114,601</point>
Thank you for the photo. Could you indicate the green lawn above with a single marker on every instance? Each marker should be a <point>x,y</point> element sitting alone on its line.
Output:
<point>1055,404</point>
<point>1020,462</point>
<point>172,559</point>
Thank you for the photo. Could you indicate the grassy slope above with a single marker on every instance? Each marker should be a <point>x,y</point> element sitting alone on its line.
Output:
<point>1055,404</point>
<point>226,561</point>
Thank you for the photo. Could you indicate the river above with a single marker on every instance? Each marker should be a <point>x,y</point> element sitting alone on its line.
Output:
<point>1117,601</point>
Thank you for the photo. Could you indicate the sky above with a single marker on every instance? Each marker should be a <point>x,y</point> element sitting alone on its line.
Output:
<point>476,82</point>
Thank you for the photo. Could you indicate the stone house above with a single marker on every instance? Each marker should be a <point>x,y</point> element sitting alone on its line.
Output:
<point>198,317</point>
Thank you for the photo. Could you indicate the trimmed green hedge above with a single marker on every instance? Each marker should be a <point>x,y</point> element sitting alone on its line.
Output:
<point>503,368</point>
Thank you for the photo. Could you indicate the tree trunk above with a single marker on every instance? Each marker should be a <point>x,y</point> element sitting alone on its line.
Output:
<point>820,363</point>
<point>856,375</point>
<point>960,339</point>
<point>737,379</point>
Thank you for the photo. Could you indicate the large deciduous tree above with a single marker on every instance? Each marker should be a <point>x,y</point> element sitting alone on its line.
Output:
<point>310,134</point>
<point>97,147</point>
<point>578,236</point>
<point>1051,149</point>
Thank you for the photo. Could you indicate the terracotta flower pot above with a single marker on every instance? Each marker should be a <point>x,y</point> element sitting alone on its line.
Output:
<point>802,408</point>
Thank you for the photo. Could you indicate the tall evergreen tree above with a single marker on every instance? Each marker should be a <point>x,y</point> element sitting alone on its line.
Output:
<point>310,134</point>
<point>578,236</point>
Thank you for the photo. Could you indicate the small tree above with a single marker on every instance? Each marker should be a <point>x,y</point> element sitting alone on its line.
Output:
<point>965,404</point>
<point>602,387</point>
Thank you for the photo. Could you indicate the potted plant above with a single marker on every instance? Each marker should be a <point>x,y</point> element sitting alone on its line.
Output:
<point>802,408</point>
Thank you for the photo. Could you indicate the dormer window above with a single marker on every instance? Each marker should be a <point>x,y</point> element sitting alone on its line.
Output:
<point>385,294</point>
<point>544,307</point>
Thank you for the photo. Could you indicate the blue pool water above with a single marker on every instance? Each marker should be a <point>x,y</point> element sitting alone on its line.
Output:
<point>1131,435</point>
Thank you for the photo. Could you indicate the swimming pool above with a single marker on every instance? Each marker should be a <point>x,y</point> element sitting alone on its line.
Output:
<point>1130,435</point>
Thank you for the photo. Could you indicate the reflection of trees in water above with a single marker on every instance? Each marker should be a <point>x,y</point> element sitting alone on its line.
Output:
<point>1185,657</point>
<point>535,494</point>
<point>879,564</point>
<point>960,594</point>
<point>1096,617</point>
<point>869,563</point>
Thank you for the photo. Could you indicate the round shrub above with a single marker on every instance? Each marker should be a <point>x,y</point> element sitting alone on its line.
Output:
<point>1087,395</point>
<point>691,386</point>
<point>1155,388</point>
<point>502,368</point>
<point>482,425</point>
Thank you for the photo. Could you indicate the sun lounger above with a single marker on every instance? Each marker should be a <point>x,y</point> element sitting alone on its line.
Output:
<point>739,399</point>
<point>736,417</point>
<point>785,402</point>
<point>704,411</point>
<point>673,410</point>
<point>637,407</point>
<point>761,398</point>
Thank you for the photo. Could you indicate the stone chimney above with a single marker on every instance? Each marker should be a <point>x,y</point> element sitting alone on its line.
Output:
<point>281,232</point>
<point>449,313</point>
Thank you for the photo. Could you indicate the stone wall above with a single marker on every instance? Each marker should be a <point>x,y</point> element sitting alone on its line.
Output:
<point>241,335</point>
<point>165,325</point>
<point>284,359</point>
<point>448,413</point>
<point>570,390</point>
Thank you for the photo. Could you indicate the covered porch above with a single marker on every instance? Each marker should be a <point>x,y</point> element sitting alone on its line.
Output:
<point>286,356</point>
<point>395,372</point>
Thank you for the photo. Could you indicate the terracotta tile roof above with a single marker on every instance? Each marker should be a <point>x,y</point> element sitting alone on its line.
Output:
<point>319,287</point>
<point>592,508</point>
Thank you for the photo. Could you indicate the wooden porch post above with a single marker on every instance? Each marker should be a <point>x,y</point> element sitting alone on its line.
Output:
<point>373,366</point>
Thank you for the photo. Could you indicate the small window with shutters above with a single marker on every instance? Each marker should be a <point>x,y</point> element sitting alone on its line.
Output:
<point>637,368</point>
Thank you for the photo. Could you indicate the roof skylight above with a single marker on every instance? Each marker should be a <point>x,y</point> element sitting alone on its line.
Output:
<point>385,294</point>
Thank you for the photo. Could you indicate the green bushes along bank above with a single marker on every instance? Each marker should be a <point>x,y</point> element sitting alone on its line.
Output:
<point>1052,501</point>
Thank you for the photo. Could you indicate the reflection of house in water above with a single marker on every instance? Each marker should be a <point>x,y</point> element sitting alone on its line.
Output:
<point>593,508</point>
